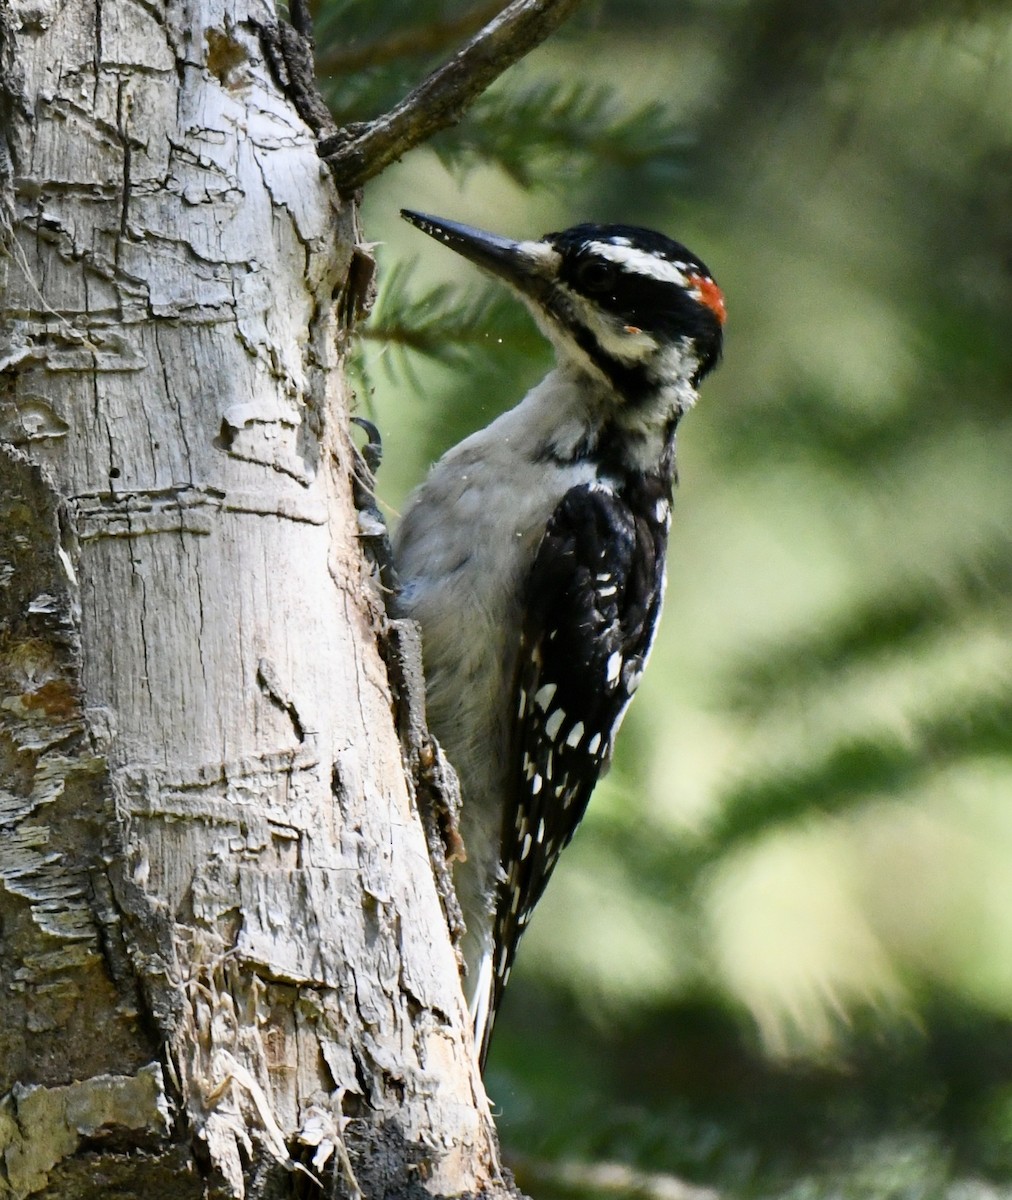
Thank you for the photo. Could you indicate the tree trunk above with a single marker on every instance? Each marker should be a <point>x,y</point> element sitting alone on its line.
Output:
<point>222,947</point>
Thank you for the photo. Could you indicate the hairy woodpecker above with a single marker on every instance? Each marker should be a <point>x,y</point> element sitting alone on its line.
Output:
<point>533,557</point>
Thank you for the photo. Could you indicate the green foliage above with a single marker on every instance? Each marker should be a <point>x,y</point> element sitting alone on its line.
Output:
<point>445,322</point>
<point>364,93</point>
<point>550,130</point>
<point>915,1117</point>
<point>554,131</point>
<point>477,332</point>
<point>778,958</point>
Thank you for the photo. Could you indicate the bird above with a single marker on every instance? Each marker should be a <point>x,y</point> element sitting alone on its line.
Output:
<point>533,557</point>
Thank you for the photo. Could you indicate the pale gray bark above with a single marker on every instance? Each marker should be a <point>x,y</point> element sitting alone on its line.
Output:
<point>222,947</point>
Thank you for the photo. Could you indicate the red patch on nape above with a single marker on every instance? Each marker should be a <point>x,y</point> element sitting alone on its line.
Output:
<point>709,294</point>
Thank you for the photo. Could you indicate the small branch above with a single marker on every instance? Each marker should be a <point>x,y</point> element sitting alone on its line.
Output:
<point>362,151</point>
<point>410,43</point>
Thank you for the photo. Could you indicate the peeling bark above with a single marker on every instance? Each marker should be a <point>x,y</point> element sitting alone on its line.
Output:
<point>225,964</point>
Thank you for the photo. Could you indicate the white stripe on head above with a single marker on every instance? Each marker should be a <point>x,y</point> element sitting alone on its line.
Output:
<point>641,262</point>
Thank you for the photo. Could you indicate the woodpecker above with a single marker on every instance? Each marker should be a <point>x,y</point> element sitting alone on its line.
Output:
<point>533,557</point>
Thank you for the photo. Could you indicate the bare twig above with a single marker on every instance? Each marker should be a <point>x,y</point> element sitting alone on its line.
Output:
<point>362,151</point>
<point>425,39</point>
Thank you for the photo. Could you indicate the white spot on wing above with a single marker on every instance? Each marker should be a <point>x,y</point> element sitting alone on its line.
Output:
<point>554,723</point>
<point>614,667</point>
<point>543,696</point>
<point>575,734</point>
<point>594,744</point>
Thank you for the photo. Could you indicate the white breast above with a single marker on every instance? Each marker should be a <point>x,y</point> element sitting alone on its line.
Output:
<point>463,553</point>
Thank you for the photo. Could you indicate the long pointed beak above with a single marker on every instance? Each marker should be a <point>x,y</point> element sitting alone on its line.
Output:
<point>518,263</point>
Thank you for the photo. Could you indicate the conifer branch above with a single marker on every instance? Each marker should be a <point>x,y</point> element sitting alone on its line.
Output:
<point>445,321</point>
<point>552,129</point>
<point>359,152</point>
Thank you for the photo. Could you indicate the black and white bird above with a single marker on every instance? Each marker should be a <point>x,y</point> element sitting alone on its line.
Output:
<point>533,557</point>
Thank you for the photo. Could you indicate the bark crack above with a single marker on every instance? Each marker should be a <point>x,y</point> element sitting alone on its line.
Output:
<point>124,140</point>
<point>274,690</point>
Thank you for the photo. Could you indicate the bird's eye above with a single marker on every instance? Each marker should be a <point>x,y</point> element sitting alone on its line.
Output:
<point>595,276</point>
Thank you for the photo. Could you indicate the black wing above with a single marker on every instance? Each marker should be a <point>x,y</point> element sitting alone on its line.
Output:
<point>592,603</point>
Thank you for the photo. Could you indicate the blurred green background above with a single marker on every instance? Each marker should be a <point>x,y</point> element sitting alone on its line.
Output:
<point>778,957</point>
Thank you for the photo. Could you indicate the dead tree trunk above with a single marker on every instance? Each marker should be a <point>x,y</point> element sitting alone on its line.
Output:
<point>223,957</point>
